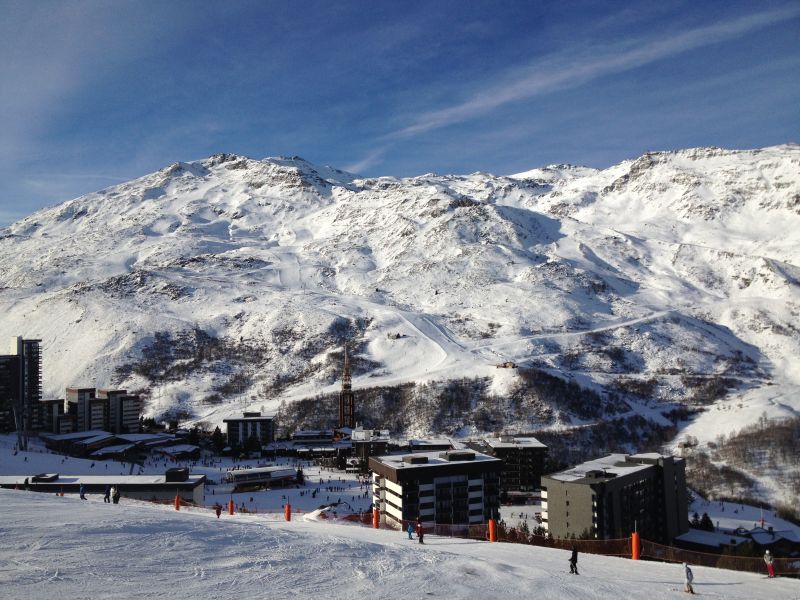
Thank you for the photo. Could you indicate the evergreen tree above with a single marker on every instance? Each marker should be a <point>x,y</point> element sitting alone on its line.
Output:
<point>695,521</point>
<point>218,440</point>
<point>706,523</point>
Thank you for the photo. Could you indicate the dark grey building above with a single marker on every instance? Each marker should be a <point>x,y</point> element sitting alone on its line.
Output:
<point>457,487</point>
<point>21,385</point>
<point>10,390</point>
<point>523,460</point>
<point>123,410</point>
<point>613,496</point>
<point>88,412</point>
<point>250,425</point>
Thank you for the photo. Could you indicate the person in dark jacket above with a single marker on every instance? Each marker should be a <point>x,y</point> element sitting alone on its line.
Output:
<point>218,509</point>
<point>82,492</point>
<point>573,561</point>
<point>115,495</point>
<point>420,531</point>
<point>107,497</point>
<point>688,577</point>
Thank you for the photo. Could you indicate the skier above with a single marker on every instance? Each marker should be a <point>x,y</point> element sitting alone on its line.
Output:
<point>107,497</point>
<point>573,561</point>
<point>82,492</point>
<point>410,530</point>
<point>688,578</point>
<point>420,531</point>
<point>770,566</point>
<point>115,494</point>
<point>218,509</point>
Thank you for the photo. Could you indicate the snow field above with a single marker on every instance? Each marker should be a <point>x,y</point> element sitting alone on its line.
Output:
<point>65,547</point>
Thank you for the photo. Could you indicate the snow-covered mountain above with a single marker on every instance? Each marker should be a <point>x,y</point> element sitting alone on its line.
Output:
<point>229,282</point>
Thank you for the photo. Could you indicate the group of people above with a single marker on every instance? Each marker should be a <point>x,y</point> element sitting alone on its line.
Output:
<point>418,528</point>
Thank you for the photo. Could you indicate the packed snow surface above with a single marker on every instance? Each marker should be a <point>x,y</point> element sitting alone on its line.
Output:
<point>68,548</point>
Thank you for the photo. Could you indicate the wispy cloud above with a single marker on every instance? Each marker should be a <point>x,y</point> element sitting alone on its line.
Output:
<point>576,68</point>
<point>368,161</point>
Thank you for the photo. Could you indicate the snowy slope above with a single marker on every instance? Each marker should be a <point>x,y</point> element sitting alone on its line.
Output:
<point>63,547</point>
<point>663,271</point>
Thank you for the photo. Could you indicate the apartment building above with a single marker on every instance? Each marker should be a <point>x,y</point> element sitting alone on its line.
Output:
<point>612,497</point>
<point>457,487</point>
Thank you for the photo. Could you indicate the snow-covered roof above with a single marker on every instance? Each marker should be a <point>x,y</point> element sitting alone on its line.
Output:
<point>94,440</point>
<point>113,449</point>
<point>711,538</point>
<point>258,418</point>
<point>764,537</point>
<point>434,459</point>
<point>101,479</point>
<point>646,456</point>
<point>517,442</point>
<point>430,442</point>
<point>178,449</point>
<point>145,437</point>
<point>613,464</point>
<point>75,435</point>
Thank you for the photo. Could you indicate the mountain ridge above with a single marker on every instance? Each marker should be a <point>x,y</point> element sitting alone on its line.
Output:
<point>672,266</point>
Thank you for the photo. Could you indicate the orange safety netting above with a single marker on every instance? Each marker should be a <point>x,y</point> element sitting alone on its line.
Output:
<point>753,564</point>
<point>615,547</point>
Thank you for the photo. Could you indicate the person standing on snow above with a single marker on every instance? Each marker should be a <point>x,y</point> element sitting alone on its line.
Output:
<point>115,494</point>
<point>82,492</point>
<point>420,531</point>
<point>688,577</point>
<point>410,531</point>
<point>768,562</point>
<point>107,497</point>
<point>573,561</point>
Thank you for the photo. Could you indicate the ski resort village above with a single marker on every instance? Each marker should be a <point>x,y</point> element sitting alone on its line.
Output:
<point>399,300</point>
<point>78,471</point>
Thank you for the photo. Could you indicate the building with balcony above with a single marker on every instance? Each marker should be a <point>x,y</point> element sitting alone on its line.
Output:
<point>21,385</point>
<point>523,460</point>
<point>369,442</point>
<point>250,425</point>
<point>612,497</point>
<point>124,410</point>
<point>457,487</point>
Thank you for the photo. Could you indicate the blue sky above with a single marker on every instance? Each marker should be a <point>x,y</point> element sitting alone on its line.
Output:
<point>95,93</point>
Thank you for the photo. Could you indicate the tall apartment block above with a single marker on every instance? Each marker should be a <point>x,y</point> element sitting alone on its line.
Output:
<point>104,409</point>
<point>612,497</point>
<point>523,460</point>
<point>251,425</point>
<point>21,385</point>
<point>457,487</point>
<point>123,409</point>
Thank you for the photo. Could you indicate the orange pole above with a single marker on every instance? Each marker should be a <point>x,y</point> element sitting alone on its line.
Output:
<point>376,518</point>
<point>177,502</point>
<point>635,546</point>
<point>492,530</point>
<point>230,506</point>
<point>288,512</point>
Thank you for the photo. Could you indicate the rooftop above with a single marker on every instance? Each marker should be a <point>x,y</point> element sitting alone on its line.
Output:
<point>516,442</point>
<point>100,479</point>
<point>434,460</point>
<point>613,465</point>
